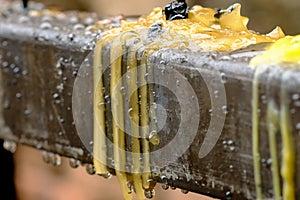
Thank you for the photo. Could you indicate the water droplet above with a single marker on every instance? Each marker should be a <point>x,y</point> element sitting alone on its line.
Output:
<point>146,75</point>
<point>223,77</point>
<point>298,126</point>
<point>5,64</point>
<point>297,103</point>
<point>225,58</point>
<point>18,95</point>
<point>228,194</point>
<point>184,191</point>
<point>4,43</point>
<point>55,96</point>
<point>269,162</point>
<point>295,97</point>
<point>10,146</point>
<point>122,90</point>
<point>47,18</point>
<point>264,99</point>
<point>45,25</point>
<point>74,163</point>
<point>225,110</point>
<point>88,21</point>
<point>101,105</point>
<point>162,62</point>
<point>27,112</point>
<point>23,19</point>
<point>130,111</point>
<point>74,19</point>
<point>210,111</point>
<point>55,160</point>
<point>46,157</point>
<point>39,145</point>
<point>153,138</point>
<point>90,169</point>
<point>107,175</point>
<point>16,70</point>
<point>149,194</point>
<point>216,93</point>
<point>231,169</point>
<point>165,187</point>
<point>71,36</point>
<point>78,27</point>
<point>173,188</point>
<point>24,72</point>
<point>178,83</point>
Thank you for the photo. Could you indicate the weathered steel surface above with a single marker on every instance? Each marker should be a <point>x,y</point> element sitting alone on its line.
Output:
<point>39,64</point>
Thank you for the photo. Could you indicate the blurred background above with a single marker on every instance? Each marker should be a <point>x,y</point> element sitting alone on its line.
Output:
<point>35,180</point>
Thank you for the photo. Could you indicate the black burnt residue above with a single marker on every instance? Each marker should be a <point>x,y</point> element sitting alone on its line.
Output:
<point>219,13</point>
<point>176,10</point>
<point>25,3</point>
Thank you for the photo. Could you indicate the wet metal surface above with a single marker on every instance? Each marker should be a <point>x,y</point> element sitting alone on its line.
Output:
<point>39,59</point>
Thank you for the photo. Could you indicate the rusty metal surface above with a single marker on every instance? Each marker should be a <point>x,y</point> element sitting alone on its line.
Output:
<point>39,64</point>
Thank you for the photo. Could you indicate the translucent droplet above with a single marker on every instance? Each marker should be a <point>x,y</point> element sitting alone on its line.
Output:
<point>56,160</point>
<point>269,162</point>
<point>74,163</point>
<point>231,168</point>
<point>130,111</point>
<point>55,96</point>
<point>178,83</point>
<point>90,169</point>
<point>45,25</point>
<point>153,138</point>
<point>18,95</point>
<point>223,77</point>
<point>149,194</point>
<point>10,146</point>
<point>297,103</point>
<point>88,21</point>
<point>27,112</point>
<point>162,62</point>
<point>184,191</point>
<point>46,157</point>
<point>71,36</point>
<point>146,75</point>
<point>107,175</point>
<point>74,19</point>
<point>230,142</point>
<point>77,27</point>
<point>225,111</point>
<point>210,111</point>
<point>130,186</point>
<point>295,97</point>
<point>165,187</point>
<point>216,93</point>
<point>228,194</point>
<point>23,19</point>
<point>298,126</point>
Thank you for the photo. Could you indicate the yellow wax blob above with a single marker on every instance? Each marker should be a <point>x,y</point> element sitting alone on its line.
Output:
<point>228,32</point>
<point>285,50</point>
